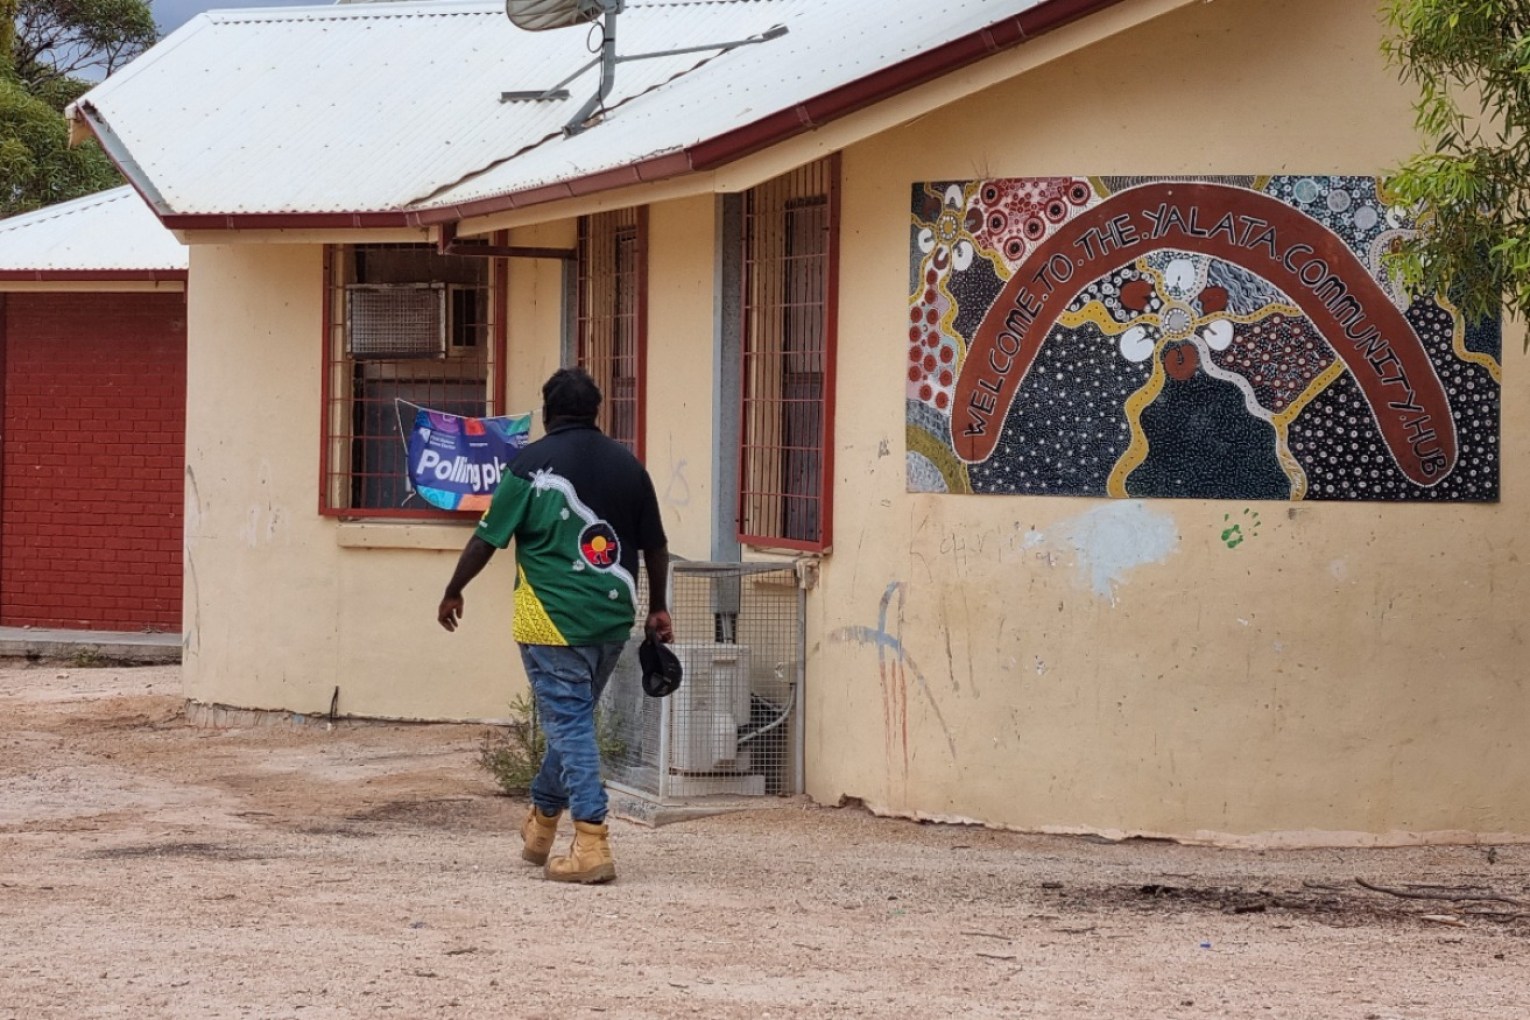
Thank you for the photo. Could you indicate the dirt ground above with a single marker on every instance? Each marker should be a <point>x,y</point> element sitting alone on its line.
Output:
<point>149,869</point>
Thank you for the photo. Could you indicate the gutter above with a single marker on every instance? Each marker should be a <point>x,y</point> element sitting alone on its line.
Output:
<point>703,156</point>
<point>93,275</point>
<point>286,220</point>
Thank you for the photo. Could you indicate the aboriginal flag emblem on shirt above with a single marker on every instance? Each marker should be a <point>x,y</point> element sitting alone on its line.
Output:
<point>598,545</point>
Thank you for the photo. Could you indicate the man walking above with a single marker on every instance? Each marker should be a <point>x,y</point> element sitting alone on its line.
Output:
<point>579,507</point>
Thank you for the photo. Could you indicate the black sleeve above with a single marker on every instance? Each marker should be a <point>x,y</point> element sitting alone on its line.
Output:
<point>650,525</point>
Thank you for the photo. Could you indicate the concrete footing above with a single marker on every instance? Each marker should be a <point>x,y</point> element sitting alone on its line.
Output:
<point>89,647</point>
<point>632,808</point>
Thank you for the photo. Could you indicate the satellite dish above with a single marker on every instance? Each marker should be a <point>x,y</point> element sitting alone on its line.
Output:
<point>539,15</point>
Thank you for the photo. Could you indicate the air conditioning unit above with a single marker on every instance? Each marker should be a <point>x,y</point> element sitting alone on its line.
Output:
<point>395,320</point>
<point>707,712</point>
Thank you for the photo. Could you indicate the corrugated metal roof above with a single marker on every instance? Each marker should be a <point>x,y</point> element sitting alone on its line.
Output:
<point>357,108</point>
<point>110,231</point>
<point>829,44</point>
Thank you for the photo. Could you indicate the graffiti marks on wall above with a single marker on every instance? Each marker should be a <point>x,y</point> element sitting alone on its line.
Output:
<point>1232,338</point>
<point>1236,531</point>
<point>894,664</point>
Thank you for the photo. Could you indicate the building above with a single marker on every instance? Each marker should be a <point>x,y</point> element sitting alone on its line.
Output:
<point>814,271</point>
<point>93,364</point>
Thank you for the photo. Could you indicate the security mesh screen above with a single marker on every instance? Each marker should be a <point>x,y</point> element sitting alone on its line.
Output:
<point>734,725</point>
<point>395,321</point>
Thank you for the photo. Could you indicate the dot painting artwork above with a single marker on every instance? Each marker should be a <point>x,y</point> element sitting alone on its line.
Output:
<point>1215,338</point>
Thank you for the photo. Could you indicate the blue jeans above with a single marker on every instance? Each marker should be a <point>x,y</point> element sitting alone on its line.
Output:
<point>567,684</point>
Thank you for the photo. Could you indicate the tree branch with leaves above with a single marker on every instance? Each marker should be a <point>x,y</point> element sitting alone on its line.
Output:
<point>48,51</point>
<point>1470,60</point>
<point>74,38</point>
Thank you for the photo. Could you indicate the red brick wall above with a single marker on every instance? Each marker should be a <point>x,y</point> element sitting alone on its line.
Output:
<point>92,460</point>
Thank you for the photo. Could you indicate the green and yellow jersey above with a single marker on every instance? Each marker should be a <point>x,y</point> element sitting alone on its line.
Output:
<point>579,506</point>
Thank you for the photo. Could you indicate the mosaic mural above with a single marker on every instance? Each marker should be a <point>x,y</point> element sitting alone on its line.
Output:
<point>1230,338</point>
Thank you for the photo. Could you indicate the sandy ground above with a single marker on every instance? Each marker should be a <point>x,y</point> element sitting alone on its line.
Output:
<point>149,869</point>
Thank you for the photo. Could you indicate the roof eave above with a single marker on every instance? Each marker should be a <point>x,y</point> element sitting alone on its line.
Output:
<point>85,121</point>
<point>890,81</point>
<point>646,171</point>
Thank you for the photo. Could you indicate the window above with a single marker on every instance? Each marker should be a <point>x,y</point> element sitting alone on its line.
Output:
<point>790,282</point>
<point>612,318</point>
<point>404,323</point>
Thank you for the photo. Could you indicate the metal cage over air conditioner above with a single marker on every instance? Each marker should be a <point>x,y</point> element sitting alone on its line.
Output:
<point>734,726</point>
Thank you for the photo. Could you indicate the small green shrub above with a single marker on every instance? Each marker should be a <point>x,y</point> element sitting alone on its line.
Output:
<point>512,753</point>
<point>86,657</point>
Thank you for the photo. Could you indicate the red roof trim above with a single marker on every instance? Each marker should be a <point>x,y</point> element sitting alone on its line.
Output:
<point>284,221</point>
<point>707,155</point>
<point>657,168</point>
<point>93,275</point>
<point>917,70</point>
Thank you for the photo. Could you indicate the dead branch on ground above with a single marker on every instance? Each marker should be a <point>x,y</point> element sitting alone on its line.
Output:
<point>1442,894</point>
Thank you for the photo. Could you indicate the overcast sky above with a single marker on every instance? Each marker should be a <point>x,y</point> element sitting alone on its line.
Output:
<point>172,14</point>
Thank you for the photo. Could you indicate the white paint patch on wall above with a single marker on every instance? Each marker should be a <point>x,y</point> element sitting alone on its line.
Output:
<point>1113,540</point>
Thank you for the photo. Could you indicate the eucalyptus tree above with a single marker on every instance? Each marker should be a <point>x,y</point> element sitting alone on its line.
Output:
<point>51,52</point>
<point>1470,60</point>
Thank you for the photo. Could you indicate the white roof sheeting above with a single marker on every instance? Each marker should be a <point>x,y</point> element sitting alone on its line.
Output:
<point>113,231</point>
<point>360,108</point>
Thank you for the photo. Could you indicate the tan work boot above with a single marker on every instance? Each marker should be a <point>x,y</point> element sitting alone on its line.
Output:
<point>539,832</point>
<point>589,858</point>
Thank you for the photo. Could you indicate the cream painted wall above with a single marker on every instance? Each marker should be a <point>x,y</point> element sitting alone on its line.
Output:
<point>1351,672</point>
<point>680,363</point>
<point>282,605</point>
<point>536,316</point>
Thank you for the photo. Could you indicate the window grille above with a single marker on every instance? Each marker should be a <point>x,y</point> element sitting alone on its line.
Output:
<point>612,318</point>
<point>403,322</point>
<point>791,245</point>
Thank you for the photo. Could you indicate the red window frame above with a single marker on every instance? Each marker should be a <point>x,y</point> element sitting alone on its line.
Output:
<point>339,439</point>
<point>611,319</point>
<point>790,306</point>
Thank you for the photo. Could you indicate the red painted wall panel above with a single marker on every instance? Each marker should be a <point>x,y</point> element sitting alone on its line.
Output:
<point>92,461</point>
